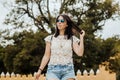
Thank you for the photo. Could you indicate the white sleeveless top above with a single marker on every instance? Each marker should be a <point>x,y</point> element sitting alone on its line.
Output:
<point>61,49</point>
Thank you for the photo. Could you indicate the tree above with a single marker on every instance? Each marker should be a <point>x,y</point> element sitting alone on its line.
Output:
<point>2,66</point>
<point>89,15</point>
<point>114,65</point>
<point>114,61</point>
<point>25,55</point>
<point>109,57</point>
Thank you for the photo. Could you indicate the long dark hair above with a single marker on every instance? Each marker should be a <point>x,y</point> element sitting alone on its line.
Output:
<point>68,30</point>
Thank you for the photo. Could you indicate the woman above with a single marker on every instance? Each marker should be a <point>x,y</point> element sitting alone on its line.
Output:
<point>59,49</point>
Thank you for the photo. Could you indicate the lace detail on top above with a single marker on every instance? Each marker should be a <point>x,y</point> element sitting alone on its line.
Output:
<point>61,49</point>
<point>75,39</point>
<point>48,38</point>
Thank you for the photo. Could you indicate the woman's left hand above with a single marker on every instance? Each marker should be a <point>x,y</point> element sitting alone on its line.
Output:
<point>82,33</point>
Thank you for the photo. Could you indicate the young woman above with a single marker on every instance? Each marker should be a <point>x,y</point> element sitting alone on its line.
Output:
<point>59,49</point>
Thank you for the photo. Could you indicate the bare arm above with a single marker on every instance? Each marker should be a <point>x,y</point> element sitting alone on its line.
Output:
<point>46,56</point>
<point>79,49</point>
<point>45,60</point>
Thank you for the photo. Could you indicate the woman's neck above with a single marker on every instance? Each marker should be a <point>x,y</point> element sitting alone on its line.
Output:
<point>62,32</point>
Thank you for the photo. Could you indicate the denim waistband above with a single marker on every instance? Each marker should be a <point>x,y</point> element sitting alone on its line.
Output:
<point>68,64</point>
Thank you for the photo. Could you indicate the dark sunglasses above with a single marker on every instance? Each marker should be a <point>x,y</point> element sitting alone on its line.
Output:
<point>61,20</point>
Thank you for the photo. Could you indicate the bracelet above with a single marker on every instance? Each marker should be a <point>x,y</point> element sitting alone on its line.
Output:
<point>40,69</point>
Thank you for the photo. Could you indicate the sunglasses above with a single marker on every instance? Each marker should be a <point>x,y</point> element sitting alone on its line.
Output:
<point>61,20</point>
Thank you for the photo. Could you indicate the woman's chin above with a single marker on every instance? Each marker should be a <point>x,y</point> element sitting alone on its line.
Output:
<point>59,28</point>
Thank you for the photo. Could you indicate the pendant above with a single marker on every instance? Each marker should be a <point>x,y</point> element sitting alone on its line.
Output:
<point>61,46</point>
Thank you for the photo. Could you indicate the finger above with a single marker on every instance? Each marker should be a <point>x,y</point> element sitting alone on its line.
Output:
<point>36,78</point>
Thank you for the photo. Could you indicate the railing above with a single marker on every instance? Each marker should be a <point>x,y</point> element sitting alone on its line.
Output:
<point>101,74</point>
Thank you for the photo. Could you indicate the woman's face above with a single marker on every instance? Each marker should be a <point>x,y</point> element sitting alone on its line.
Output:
<point>61,23</point>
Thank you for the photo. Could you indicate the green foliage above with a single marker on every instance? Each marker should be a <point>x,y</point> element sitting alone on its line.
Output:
<point>2,67</point>
<point>114,61</point>
<point>26,53</point>
<point>91,12</point>
<point>107,48</point>
<point>10,52</point>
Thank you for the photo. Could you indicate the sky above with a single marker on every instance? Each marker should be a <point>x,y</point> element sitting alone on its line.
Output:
<point>110,28</point>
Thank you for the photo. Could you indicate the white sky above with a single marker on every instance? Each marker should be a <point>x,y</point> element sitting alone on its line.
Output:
<point>110,29</point>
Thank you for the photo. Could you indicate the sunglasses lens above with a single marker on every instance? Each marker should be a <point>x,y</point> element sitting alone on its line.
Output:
<point>57,20</point>
<point>60,20</point>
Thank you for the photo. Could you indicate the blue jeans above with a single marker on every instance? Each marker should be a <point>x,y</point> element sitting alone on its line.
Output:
<point>60,72</point>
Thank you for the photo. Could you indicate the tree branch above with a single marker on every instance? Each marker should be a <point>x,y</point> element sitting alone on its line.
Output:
<point>49,15</point>
<point>31,16</point>
<point>63,6</point>
<point>32,8</point>
<point>41,12</point>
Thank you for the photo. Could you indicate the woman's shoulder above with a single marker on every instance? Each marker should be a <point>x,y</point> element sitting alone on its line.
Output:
<point>75,39</point>
<point>50,35</point>
<point>48,38</point>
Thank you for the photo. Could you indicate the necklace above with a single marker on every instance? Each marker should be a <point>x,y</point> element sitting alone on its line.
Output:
<point>61,39</point>
<point>61,46</point>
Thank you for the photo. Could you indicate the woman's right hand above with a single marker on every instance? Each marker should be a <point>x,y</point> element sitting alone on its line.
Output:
<point>37,75</point>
